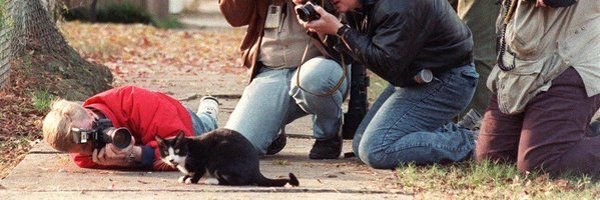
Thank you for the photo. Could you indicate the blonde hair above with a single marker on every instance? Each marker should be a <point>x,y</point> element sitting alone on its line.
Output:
<point>58,122</point>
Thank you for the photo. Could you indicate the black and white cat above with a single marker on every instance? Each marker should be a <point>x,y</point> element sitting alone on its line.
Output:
<point>223,154</point>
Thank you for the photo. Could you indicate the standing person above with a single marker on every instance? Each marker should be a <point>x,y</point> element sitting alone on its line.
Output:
<point>480,16</point>
<point>546,87</point>
<point>143,112</point>
<point>274,48</point>
<point>409,121</point>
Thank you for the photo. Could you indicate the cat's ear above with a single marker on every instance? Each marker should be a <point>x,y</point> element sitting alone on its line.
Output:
<point>180,137</point>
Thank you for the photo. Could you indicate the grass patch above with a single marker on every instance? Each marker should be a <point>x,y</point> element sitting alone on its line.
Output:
<point>376,86</point>
<point>170,22</point>
<point>42,100</point>
<point>489,180</point>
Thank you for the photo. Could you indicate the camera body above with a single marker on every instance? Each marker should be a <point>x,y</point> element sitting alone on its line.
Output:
<point>559,3</point>
<point>102,133</point>
<point>307,11</point>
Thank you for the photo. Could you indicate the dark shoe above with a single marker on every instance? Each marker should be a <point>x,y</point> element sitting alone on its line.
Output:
<point>471,120</point>
<point>594,128</point>
<point>326,149</point>
<point>278,144</point>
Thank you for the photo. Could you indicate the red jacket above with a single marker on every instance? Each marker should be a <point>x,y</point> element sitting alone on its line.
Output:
<point>145,113</point>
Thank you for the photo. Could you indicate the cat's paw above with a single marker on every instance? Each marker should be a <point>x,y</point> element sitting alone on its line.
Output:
<point>211,181</point>
<point>184,179</point>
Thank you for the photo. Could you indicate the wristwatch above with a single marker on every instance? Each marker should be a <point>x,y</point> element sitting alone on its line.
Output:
<point>131,157</point>
<point>342,30</point>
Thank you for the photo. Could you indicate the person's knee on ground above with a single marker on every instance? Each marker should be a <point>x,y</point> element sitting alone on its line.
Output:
<point>375,158</point>
<point>263,108</point>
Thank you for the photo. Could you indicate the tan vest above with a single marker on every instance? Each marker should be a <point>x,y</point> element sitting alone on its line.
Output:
<point>284,47</point>
<point>545,42</point>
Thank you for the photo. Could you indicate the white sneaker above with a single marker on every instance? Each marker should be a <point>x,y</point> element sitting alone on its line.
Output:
<point>209,105</point>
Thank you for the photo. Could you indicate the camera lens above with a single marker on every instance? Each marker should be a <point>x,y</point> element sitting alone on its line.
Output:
<point>121,138</point>
<point>307,13</point>
<point>302,13</point>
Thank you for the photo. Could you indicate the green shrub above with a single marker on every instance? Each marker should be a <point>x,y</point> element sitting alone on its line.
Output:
<point>77,13</point>
<point>126,13</point>
<point>123,13</point>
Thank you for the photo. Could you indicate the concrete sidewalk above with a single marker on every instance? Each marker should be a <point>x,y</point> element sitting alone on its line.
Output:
<point>47,174</point>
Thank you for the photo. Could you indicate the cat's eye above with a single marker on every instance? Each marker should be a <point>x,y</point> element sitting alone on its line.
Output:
<point>176,151</point>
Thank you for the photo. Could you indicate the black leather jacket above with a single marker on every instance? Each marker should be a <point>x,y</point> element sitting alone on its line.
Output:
<point>396,39</point>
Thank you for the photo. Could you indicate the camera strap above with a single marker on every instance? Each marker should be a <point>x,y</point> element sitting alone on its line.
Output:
<point>509,7</point>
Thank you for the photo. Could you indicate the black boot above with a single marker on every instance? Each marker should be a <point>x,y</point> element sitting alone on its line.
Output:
<point>327,149</point>
<point>594,128</point>
<point>278,144</point>
<point>471,120</point>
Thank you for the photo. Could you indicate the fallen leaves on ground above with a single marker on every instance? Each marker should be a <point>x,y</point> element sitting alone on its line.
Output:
<point>139,50</point>
<point>20,123</point>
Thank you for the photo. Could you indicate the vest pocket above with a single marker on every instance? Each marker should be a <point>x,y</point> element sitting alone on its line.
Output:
<point>516,87</point>
<point>524,36</point>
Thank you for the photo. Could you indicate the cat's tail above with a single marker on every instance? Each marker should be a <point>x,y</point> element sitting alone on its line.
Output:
<point>266,182</point>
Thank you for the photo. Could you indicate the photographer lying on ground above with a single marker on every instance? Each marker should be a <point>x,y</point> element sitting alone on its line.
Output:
<point>404,42</point>
<point>120,112</point>
<point>546,88</point>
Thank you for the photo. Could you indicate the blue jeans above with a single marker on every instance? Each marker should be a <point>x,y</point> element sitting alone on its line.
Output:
<point>273,100</point>
<point>202,122</point>
<point>413,124</point>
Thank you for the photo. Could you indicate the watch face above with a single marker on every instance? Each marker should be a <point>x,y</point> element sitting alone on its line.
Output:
<point>342,30</point>
<point>131,157</point>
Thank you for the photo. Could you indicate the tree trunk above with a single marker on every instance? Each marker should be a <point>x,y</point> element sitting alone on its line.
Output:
<point>41,53</point>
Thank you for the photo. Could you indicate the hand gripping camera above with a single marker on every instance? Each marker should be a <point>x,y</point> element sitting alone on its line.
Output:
<point>102,132</point>
<point>307,11</point>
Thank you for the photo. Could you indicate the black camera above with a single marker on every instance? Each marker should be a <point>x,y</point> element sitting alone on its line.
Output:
<point>308,13</point>
<point>559,3</point>
<point>100,135</point>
